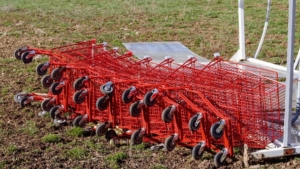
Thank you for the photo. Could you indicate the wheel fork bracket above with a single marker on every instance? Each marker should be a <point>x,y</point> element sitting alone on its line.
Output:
<point>202,143</point>
<point>131,93</point>
<point>61,84</point>
<point>154,94</point>
<point>221,126</point>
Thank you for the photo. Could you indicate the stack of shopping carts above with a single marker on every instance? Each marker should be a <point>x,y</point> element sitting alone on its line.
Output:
<point>218,106</point>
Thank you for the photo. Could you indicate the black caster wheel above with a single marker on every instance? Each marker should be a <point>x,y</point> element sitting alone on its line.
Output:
<point>166,115</point>
<point>125,98</point>
<point>102,103</point>
<point>47,81</point>
<point>24,59</point>
<point>57,74</point>
<point>134,109</point>
<point>169,144</point>
<point>136,138</point>
<point>53,89</point>
<point>45,105</point>
<point>214,132</point>
<point>193,125</point>
<point>76,121</point>
<point>39,69</point>
<point>77,98</point>
<point>196,152</point>
<point>78,84</point>
<point>101,129</point>
<point>110,134</point>
<point>147,99</point>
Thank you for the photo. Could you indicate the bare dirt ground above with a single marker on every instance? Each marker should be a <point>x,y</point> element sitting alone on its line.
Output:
<point>22,130</point>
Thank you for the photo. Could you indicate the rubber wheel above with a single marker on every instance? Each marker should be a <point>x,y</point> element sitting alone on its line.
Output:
<point>134,110</point>
<point>76,97</point>
<point>88,132</point>
<point>135,138</point>
<point>53,90</point>
<point>78,85</point>
<point>105,91</point>
<point>56,74</point>
<point>169,145</point>
<point>17,53</point>
<point>19,96</point>
<point>76,121</point>
<point>110,134</point>
<point>192,122</point>
<point>217,159</point>
<point>22,102</point>
<point>102,103</point>
<point>45,106</point>
<point>47,81</point>
<point>147,99</point>
<point>52,112</point>
<point>195,152</point>
<point>166,116</point>
<point>24,59</point>
<point>214,133</point>
<point>39,70</point>
<point>101,129</point>
<point>125,96</point>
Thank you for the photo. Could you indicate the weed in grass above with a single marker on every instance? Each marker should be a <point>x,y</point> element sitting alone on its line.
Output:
<point>12,149</point>
<point>114,160</point>
<point>75,132</point>
<point>141,146</point>
<point>159,166</point>
<point>77,153</point>
<point>48,149</point>
<point>28,89</point>
<point>207,156</point>
<point>50,124</point>
<point>89,144</point>
<point>162,158</point>
<point>4,91</point>
<point>30,128</point>
<point>30,69</point>
<point>60,144</point>
<point>51,138</point>
<point>30,80</point>
<point>47,115</point>
<point>237,150</point>
<point>8,60</point>
<point>297,158</point>
<point>2,165</point>
<point>31,114</point>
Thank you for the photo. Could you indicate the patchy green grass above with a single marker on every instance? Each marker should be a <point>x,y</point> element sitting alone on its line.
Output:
<point>159,166</point>
<point>12,149</point>
<point>77,153</point>
<point>2,165</point>
<point>75,132</point>
<point>30,128</point>
<point>51,138</point>
<point>115,159</point>
<point>141,146</point>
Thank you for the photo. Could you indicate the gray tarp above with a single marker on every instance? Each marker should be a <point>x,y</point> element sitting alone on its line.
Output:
<point>158,50</point>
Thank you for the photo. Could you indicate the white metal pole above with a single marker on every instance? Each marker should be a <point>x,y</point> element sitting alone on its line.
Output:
<point>289,75</point>
<point>242,30</point>
<point>296,63</point>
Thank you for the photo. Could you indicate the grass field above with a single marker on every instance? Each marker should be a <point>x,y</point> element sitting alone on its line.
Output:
<point>204,26</point>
